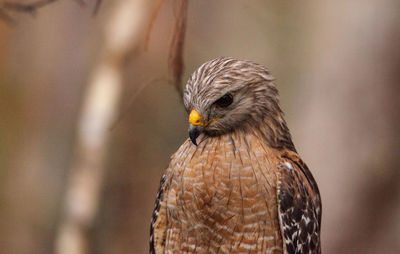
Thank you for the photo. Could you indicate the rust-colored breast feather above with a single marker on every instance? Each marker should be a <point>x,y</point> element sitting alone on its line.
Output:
<point>222,197</point>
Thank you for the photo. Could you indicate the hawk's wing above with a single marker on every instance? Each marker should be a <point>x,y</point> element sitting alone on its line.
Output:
<point>299,207</point>
<point>158,225</point>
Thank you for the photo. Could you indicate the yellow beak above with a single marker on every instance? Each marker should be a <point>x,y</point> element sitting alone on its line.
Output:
<point>195,118</point>
<point>197,125</point>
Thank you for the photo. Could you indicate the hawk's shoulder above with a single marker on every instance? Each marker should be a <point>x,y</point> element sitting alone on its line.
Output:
<point>299,206</point>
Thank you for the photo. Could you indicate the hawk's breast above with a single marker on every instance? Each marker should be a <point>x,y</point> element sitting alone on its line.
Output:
<point>222,195</point>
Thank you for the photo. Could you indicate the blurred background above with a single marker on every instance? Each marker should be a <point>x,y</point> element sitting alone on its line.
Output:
<point>88,121</point>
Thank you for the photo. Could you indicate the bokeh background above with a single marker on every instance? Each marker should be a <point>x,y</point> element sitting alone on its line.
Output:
<point>336,64</point>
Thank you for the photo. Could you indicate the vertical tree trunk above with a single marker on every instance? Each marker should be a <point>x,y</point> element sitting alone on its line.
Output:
<point>123,31</point>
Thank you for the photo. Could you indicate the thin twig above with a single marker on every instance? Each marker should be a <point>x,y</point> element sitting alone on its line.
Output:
<point>175,58</point>
<point>6,18</point>
<point>96,7</point>
<point>31,8</point>
<point>152,21</point>
<point>82,3</point>
<point>133,98</point>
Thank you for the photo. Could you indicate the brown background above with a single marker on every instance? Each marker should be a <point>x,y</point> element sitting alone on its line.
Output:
<point>336,64</point>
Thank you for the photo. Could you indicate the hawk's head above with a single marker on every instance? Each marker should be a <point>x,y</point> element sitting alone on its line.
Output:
<point>226,94</point>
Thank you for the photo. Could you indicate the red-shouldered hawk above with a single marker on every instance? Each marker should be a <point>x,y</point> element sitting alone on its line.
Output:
<point>237,185</point>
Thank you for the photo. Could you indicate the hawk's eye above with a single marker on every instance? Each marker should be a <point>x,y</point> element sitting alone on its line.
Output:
<point>225,100</point>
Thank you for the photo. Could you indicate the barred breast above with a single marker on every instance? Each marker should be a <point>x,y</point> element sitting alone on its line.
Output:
<point>222,197</point>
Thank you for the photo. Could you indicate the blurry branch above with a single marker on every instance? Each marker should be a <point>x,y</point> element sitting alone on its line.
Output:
<point>175,59</point>
<point>175,56</point>
<point>123,32</point>
<point>5,17</point>
<point>97,7</point>
<point>31,8</point>
<point>152,21</point>
<point>133,98</point>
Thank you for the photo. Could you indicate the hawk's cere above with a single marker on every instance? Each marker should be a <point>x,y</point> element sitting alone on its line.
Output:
<point>237,185</point>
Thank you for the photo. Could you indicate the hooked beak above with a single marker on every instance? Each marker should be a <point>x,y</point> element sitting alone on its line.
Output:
<point>196,126</point>
<point>194,132</point>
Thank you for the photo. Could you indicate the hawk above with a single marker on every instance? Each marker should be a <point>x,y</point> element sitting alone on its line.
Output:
<point>237,184</point>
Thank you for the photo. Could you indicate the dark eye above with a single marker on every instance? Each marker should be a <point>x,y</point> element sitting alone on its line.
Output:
<point>225,100</point>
